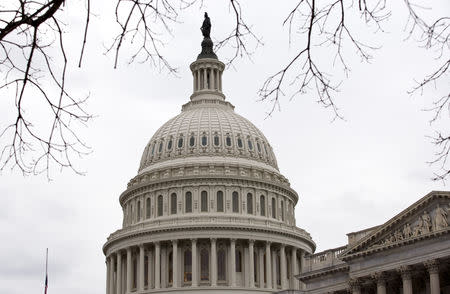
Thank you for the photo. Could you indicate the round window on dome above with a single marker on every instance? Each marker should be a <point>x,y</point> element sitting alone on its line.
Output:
<point>192,141</point>
<point>180,142</point>
<point>204,140</point>
<point>239,142</point>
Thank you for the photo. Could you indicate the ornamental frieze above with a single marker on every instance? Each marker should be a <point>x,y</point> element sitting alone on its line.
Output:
<point>427,223</point>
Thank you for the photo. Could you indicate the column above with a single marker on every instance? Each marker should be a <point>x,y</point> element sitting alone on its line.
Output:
<point>283,267</point>
<point>205,77</point>
<point>294,282</point>
<point>405,272</point>
<point>213,262</point>
<point>233,262</point>
<point>194,263</point>
<point>251,266</point>
<point>355,286</point>
<point>150,268</point>
<point>112,269</point>
<point>108,274</point>
<point>274,270</point>
<point>129,270</point>
<point>380,279</point>
<point>141,267</point>
<point>197,79</point>
<point>119,274</point>
<point>261,267</point>
<point>214,78</point>
<point>157,265</point>
<point>433,269</point>
<point>268,267</point>
<point>175,268</point>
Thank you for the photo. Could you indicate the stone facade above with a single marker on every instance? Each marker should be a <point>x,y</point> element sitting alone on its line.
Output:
<point>408,254</point>
<point>209,210</point>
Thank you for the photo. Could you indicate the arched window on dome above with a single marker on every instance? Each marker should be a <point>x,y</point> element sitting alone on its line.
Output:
<point>160,147</point>
<point>238,261</point>
<point>147,208</point>
<point>235,200</point>
<point>262,204</point>
<point>221,265</point>
<point>204,201</point>
<point>216,140</point>
<point>153,148</point>
<point>204,140</point>
<point>219,201</point>
<point>274,208</point>
<point>170,268</point>
<point>258,146</point>
<point>173,203</point>
<point>282,210</point>
<point>138,210</point>
<point>160,205</point>
<point>180,142</point>
<point>249,203</point>
<point>204,265</point>
<point>239,143</point>
<point>250,144</point>
<point>187,265</point>
<point>188,202</point>
<point>192,141</point>
<point>169,145</point>
<point>228,141</point>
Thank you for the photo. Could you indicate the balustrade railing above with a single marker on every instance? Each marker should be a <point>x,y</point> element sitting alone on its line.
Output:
<point>323,259</point>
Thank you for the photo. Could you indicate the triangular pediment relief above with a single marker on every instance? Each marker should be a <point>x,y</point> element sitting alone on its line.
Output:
<point>426,218</point>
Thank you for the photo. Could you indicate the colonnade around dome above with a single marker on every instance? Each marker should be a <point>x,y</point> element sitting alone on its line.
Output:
<point>213,263</point>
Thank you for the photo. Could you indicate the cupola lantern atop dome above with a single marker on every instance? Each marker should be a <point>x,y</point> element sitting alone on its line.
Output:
<point>207,69</point>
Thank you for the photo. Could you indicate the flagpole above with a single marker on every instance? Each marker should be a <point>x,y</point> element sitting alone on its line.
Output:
<point>46,271</point>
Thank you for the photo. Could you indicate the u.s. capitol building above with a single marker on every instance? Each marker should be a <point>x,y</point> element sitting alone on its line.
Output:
<point>210,212</point>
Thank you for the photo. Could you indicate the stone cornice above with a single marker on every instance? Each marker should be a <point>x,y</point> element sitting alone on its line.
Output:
<point>358,249</point>
<point>322,272</point>
<point>124,234</point>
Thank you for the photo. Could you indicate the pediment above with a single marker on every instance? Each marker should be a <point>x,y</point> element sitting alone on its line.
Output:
<point>427,218</point>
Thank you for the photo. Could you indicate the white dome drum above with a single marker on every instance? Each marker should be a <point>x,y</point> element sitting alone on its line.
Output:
<point>208,210</point>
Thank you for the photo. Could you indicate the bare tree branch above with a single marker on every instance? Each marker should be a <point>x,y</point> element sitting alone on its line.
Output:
<point>436,37</point>
<point>27,41</point>
<point>322,26</point>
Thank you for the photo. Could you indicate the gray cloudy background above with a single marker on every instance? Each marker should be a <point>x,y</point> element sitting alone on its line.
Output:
<point>350,174</point>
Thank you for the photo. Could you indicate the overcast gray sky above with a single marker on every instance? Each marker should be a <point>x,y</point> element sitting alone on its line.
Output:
<point>350,174</point>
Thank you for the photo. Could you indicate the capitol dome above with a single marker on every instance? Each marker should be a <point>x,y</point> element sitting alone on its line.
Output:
<point>208,211</point>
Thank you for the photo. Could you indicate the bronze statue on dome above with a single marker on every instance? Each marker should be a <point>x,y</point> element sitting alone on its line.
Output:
<point>206,27</point>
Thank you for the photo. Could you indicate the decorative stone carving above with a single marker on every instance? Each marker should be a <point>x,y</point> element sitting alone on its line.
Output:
<point>423,225</point>
<point>440,218</point>
<point>379,277</point>
<point>405,271</point>
<point>432,266</point>
<point>354,284</point>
